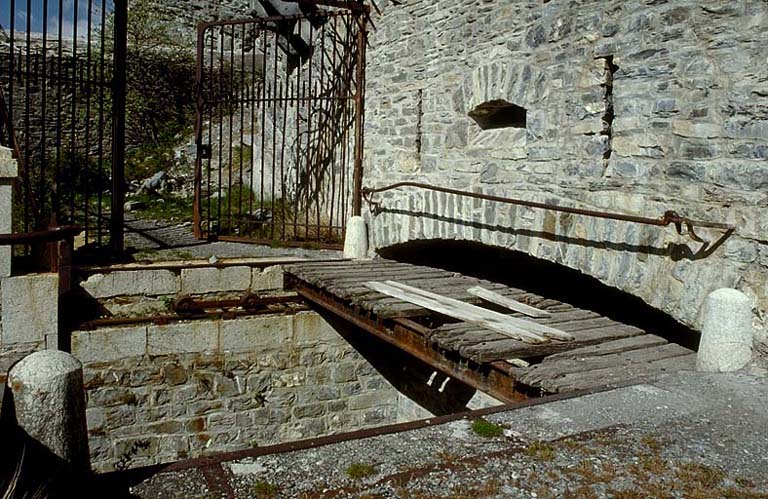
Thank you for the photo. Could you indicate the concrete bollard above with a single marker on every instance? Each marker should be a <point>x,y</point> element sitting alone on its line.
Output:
<point>49,402</point>
<point>356,240</point>
<point>726,337</point>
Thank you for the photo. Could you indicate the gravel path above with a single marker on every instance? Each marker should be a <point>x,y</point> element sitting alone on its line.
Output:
<point>685,435</point>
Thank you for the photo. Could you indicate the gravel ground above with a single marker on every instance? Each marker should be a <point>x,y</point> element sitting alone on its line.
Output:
<point>155,240</point>
<point>685,435</point>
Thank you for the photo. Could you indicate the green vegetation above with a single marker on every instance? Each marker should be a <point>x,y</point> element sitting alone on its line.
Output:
<point>265,490</point>
<point>357,471</point>
<point>541,450</point>
<point>486,429</point>
<point>165,207</point>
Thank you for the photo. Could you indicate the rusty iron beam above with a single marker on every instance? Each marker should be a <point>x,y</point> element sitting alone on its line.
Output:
<point>401,334</point>
<point>669,216</point>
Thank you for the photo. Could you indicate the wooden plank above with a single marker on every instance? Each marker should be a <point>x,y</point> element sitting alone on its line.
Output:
<point>490,315</point>
<point>499,350</point>
<point>537,374</point>
<point>556,318</point>
<point>619,374</point>
<point>610,347</point>
<point>506,302</point>
<point>455,309</point>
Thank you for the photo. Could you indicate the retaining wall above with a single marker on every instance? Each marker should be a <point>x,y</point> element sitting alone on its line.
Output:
<point>163,393</point>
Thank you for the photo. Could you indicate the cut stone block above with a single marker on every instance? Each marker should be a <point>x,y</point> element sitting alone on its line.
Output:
<point>184,337</point>
<point>212,280</point>
<point>137,282</point>
<point>269,278</point>
<point>356,239</point>
<point>310,327</point>
<point>243,335</point>
<point>30,308</point>
<point>109,344</point>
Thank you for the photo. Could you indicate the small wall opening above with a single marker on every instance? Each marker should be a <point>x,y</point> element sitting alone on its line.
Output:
<point>498,114</point>
<point>544,278</point>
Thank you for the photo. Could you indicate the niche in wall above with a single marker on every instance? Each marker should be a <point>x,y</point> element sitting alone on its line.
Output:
<point>498,113</point>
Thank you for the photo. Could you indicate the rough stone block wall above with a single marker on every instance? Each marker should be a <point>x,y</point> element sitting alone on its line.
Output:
<point>632,107</point>
<point>163,393</point>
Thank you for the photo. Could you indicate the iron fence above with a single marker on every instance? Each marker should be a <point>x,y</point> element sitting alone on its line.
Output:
<point>279,127</point>
<point>60,107</point>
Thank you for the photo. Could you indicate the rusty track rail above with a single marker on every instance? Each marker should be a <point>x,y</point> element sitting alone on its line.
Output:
<point>669,216</point>
<point>411,337</point>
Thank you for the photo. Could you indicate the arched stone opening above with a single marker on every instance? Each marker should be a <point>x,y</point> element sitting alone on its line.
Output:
<point>542,277</point>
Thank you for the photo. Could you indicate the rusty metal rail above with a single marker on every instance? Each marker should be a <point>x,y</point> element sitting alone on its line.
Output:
<point>669,216</point>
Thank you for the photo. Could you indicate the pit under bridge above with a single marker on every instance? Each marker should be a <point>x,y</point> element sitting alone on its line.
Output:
<point>601,352</point>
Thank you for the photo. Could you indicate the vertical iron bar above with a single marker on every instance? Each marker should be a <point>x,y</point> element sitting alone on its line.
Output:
<point>87,155</point>
<point>197,206</point>
<point>241,107</point>
<point>117,217</point>
<point>210,97</point>
<point>275,100</point>
<point>100,153</point>
<point>219,106</point>
<point>357,198</point>
<point>56,200</point>
<point>262,122</point>
<point>43,106</point>
<point>283,127</point>
<point>72,174</point>
<point>27,162</point>
<point>231,101</point>
<point>258,31</point>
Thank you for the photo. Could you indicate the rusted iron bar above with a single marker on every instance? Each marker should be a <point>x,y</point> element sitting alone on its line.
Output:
<point>669,217</point>
<point>42,236</point>
<point>53,249</point>
<point>117,215</point>
<point>199,265</point>
<point>485,378</point>
<point>186,305</point>
<point>362,38</point>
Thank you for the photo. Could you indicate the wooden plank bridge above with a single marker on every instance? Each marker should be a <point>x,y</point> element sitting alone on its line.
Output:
<point>602,352</point>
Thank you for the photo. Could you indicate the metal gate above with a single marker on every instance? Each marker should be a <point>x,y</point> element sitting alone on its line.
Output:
<point>62,94</point>
<point>279,127</point>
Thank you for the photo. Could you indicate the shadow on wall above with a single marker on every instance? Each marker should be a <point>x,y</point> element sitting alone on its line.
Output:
<point>545,278</point>
<point>674,251</point>
<point>407,374</point>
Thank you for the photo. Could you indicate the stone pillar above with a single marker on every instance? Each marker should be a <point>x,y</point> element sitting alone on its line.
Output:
<point>726,337</point>
<point>356,240</point>
<point>49,402</point>
<point>8,172</point>
<point>31,310</point>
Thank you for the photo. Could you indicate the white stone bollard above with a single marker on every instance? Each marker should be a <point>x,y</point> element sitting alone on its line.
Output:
<point>356,239</point>
<point>726,337</point>
<point>49,402</point>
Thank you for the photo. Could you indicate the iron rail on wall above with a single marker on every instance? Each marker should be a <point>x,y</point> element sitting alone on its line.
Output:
<point>669,216</point>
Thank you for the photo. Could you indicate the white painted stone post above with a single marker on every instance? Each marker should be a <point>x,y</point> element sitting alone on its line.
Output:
<point>726,336</point>
<point>9,170</point>
<point>49,402</point>
<point>356,240</point>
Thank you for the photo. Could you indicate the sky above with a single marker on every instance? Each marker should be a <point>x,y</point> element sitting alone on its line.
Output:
<point>75,13</point>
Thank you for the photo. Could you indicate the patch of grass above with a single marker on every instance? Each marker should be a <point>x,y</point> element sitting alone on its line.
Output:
<point>541,450</point>
<point>357,471</point>
<point>165,207</point>
<point>265,490</point>
<point>652,443</point>
<point>486,429</point>
<point>447,456</point>
<point>707,476</point>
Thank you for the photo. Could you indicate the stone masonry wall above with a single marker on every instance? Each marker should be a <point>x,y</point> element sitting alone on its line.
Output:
<point>632,106</point>
<point>163,393</point>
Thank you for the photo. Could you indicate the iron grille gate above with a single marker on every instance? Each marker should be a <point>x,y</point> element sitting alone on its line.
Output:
<point>62,88</point>
<point>279,127</point>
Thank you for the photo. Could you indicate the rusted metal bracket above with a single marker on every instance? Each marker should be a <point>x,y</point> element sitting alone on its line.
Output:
<point>669,217</point>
